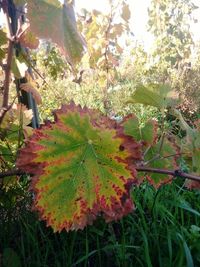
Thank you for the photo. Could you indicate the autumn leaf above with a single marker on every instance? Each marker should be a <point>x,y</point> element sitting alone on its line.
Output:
<point>116,30</point>
<point>16,119</point>
<point>119,49</point>
<point>82,166</point>
<point>51,20</point>
<point>113,61</point>
<point>28,39</point>
<point>29,88</point>
<point>126,14</point>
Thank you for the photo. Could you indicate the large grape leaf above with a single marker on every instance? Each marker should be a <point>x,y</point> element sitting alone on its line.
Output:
<point>82,167</point>
<point>49,19</point>
<point>157,95</point>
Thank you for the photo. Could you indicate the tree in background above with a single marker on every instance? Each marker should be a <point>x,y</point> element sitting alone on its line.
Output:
<point>173,57</point>
<point>169,22</point>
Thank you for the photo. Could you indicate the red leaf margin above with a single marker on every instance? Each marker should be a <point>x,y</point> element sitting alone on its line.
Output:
<point>118,209</point>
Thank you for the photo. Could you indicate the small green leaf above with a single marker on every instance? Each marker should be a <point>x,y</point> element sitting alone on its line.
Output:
<point>149,132</point>
<point>131,127</point>
<point>146,133</point>
<point>157,95</point>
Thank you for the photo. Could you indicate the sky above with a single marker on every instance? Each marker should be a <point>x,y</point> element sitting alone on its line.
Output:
<point>139,17</point>
<point>138,21</point>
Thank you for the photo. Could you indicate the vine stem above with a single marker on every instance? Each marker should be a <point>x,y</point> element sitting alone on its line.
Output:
<point>105,90</point>
<point>9,58</point>
<point>174,173</point>
<point>6,84</point>
<point>7,74</point>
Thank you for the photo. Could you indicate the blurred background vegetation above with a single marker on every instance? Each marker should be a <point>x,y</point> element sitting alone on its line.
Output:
<point>115,63</point>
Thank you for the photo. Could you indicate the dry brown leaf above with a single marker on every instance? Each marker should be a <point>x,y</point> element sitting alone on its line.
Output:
<point>119,49</point>
<point>28,131</point>
<point>28,87</point>
<point>56,22</point>
<point>126,14</point>
<point>113,60</point>
<point>28,38</point>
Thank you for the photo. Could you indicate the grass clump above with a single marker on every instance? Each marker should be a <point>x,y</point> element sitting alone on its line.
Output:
<point>164,230</point>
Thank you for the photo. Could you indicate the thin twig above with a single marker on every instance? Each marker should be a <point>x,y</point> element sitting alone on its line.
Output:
<point>156,157</point>
<point>174,155</point>
<point>174,173</point>
<point>7,75</point>
<point>9,60</point>
<point>105,89</point>
<point>161,143</point>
